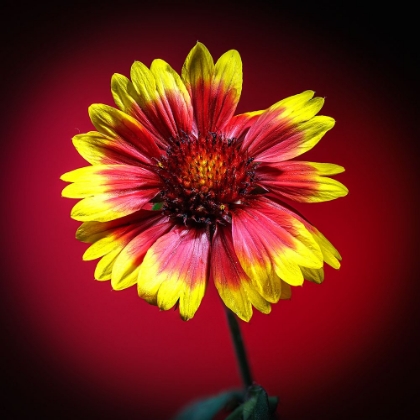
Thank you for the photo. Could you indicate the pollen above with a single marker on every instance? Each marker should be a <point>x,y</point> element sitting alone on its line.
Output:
<point>204,178</point>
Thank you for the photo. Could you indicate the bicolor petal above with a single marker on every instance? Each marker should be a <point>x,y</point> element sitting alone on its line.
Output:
<point>214,89</point>
<point>127,99</point>
<point>109,239</point>
<point>234,286</point>
<point>122,128</point>
<point>197,74</point>
<point>175,269</point>
<point>98,149</point>
<point>268,240</point>
<point>305,182</point>
<point>238,126</point>
<point>287,129</point>
<point>127,265</point>
<point>329,253</point>
<point>174,96</point>
<point>90,232</point>
<point>226,89</point>
<point>109,191</point>
<point>163,98</point>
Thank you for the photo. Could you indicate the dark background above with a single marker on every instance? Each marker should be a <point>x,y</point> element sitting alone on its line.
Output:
<point>71,348</point>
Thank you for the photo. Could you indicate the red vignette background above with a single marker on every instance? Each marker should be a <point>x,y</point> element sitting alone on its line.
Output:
<point>73,348</point>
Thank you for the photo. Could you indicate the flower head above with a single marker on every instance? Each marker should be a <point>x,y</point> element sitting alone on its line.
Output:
<point>180,192</point>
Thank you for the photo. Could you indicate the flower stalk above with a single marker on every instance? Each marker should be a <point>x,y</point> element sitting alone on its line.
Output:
<point>240,351</point>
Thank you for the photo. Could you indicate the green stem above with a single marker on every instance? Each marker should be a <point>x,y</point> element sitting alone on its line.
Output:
<point>238,343</point>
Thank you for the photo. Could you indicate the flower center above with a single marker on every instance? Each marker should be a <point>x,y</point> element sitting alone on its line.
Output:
<point>204,178</point>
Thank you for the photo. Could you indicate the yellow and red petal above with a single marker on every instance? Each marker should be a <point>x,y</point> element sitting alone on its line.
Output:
<point>235,287</point>
<point>300,107</point>
<point>175,269</point>
<point>239,125</point>
<point>124,130</point>
<point>109,191</point>
<point>226,89</point>
<point>163,98</point>
<point>329,253</point>
<point>268,240</point>
<point>174,96</point>
<point>304,182</point>
<point>109,235</point>
<point>287,129</point>
<point>90,232</point>
<point>255,257</point>
<point>127,264</point>
<point>197,74</point>
<point>127,99</point>
<point>110,238</point>
<point>98,149</point>
<point>214,89</point>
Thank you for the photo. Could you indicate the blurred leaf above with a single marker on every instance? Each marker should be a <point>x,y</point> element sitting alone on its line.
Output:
<point>272,403</point>
<point>258,406</point>
<point>207,408</point>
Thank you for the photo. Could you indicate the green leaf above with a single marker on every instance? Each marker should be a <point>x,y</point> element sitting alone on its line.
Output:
<point>206,409</point>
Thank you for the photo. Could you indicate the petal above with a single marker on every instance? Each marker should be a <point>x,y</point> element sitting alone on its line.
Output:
<point>110,191</point>
<point>122,233</point>
<point>127,265</point>
<point>124,94</point>
<point>234,286</point>
<point>197,74</point>
<point>329,254</point>
<point>174,96</point>
<point>238,125</point>
<point>91,232</point>
<point>98,149</point>
<point>109,239</point>
<point>267,240</point>
<point>175,269</point>
<point>286,290</point>
<point>225,89</point>
<point>117,125</point>
<point>312,274</point>
<point>91,180</point>
<point>302,181</point>
<point>287,129</point>
<point>300,107</point>
<point>214,89</point>
<point>152,99</point>
<point>127,99</point>
<point>103,270</point>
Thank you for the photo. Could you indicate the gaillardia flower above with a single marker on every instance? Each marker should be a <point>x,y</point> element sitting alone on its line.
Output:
<point>180,192</point>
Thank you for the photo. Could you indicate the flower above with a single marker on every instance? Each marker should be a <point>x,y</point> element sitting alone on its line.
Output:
<point>180,192</point>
